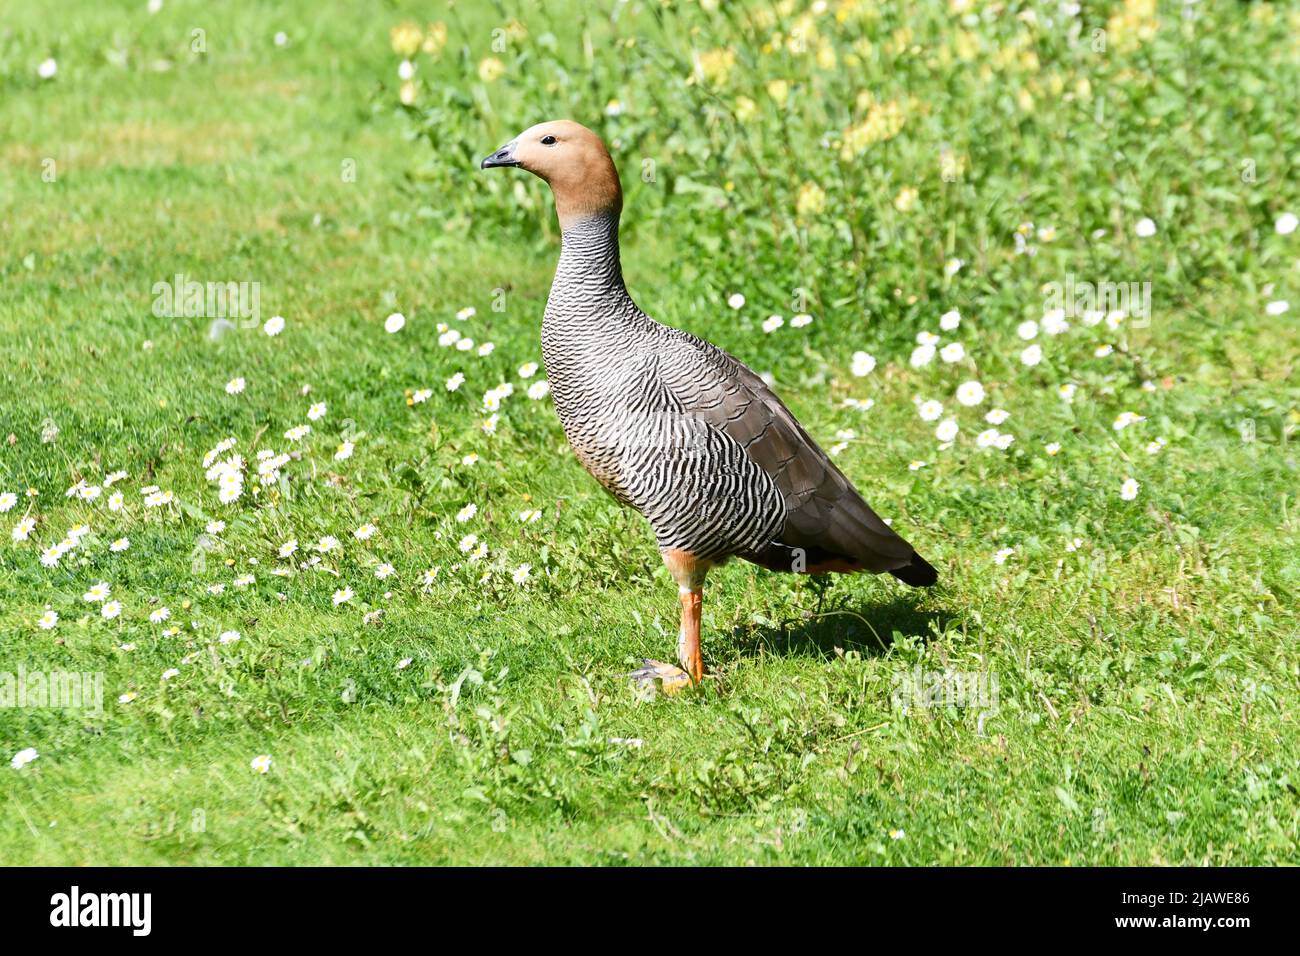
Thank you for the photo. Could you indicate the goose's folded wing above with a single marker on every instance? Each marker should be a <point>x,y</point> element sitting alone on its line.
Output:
<point>825,515</point>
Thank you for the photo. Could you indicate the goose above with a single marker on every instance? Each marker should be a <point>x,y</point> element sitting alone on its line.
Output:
<point>675,427</point>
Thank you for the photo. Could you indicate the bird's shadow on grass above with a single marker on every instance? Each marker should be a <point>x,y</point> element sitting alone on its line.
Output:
<point>869,628</point>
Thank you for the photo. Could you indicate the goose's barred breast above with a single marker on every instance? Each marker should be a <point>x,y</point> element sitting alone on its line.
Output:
<point>688,435</point>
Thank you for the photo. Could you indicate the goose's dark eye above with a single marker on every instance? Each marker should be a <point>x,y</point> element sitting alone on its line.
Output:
<point>548,140</point>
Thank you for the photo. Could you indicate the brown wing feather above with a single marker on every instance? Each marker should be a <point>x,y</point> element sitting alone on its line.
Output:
<point>826,517</point>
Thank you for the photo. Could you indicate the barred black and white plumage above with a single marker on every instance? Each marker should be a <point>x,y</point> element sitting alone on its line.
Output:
<point>688,435</point>
<point>676,427</point>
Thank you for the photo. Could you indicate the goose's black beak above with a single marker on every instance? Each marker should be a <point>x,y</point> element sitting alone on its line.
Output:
<point>505,156</point>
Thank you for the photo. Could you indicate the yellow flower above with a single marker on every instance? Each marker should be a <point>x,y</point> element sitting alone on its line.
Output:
<point>967,45</point>
<point>516,32</point>
<point>883,121</point>
<point>1134,25</point>
<point>405,38</point>
<point>407,93</point>
<point>490,69</point>
<point>810,202</point>
<point>905,199</point>
<point>435,39</point>
<point>854,10</point>
<point>714,66</point>
<point>900,40</point>
<point>779,90</point>
<point>826,58</point>
<point>746,109</point>
<point>951,166</point>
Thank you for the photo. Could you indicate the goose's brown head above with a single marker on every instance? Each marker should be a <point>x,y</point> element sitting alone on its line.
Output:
<point>573,160</point>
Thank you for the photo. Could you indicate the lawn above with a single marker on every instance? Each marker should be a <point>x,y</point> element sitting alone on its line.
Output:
<point>437,673</point>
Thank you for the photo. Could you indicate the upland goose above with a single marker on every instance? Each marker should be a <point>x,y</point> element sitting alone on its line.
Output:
<point>674,426</point>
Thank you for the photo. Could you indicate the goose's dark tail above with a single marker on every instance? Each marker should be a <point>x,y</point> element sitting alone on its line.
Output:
<point>919,573</point>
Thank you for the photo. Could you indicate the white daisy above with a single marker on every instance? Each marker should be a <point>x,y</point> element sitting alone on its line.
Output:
<point>970,393</point>
<point>921,355</point>
<point>1124,419</point>
<point>863,364</point>
<point>1054,322</point>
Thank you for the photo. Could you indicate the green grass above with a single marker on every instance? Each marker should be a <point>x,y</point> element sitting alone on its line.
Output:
<point>1147,680</point>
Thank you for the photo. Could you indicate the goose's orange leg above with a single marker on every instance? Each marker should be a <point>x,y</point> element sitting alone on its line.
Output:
<point>689,574</point>
<point>688,638</point>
